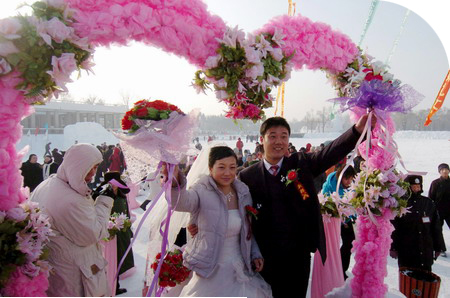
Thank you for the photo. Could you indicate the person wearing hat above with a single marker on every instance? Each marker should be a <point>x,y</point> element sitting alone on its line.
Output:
<point>417,238</point>
<point>114,187</point>
<point>440,194</point>
<point>78,224</point>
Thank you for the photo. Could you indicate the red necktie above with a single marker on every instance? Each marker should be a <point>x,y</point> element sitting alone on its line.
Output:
<point>274,170</point>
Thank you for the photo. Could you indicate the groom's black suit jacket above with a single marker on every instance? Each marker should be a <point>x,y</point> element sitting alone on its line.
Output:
<point>288,226</point>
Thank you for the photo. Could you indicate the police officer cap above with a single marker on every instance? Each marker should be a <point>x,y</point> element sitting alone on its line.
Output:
<point>414,179</point>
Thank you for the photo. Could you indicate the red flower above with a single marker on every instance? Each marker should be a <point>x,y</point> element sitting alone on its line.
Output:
<point>173,108</point>
<point>159,105</point>
<point>126,123</point>
<point>143,101</point>
<point>251,211</point>
<point>292,175</point>
<point>172,269</point>
<point>369,77</point>
<point>142,112</point>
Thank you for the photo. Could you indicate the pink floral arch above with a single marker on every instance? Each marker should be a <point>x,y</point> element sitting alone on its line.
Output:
<point>70,30</point>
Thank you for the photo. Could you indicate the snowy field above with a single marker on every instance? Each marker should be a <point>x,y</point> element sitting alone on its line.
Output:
<point>421,151</point>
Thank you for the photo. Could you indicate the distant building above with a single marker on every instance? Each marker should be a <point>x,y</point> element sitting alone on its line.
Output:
<point>57,114</point>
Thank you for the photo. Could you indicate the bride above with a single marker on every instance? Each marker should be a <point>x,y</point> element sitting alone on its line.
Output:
<point>224,255</point>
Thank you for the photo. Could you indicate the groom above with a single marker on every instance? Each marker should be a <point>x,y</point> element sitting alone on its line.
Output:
<point>289,225</point>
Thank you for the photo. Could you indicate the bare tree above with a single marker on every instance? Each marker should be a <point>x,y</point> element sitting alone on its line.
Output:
<point>324,117</point>
<point>66,96</point>
<point>126,97</point>
<point>94,100</point>
<point>310,121</point>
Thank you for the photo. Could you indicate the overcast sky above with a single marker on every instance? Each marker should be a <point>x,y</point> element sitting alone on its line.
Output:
<point>145,72</point>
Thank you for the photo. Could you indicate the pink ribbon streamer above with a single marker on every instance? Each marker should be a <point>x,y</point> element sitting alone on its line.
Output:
<point>141,222</point>
<point>118,184</point>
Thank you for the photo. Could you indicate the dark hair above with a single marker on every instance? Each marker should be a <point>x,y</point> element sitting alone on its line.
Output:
<point>220,152</point>
<point>273,122</point>
<point>31,155</point>
<point>349,172</point>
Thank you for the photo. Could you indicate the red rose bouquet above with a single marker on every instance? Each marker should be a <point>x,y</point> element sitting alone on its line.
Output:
<point>155,131</point>
<point>173,271</point>
<point>147,110</point>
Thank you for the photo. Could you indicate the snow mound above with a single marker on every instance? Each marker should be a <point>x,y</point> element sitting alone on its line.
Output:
<point>87,132</point>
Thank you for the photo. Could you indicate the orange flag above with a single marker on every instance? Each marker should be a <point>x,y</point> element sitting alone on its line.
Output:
<point>439,99</point>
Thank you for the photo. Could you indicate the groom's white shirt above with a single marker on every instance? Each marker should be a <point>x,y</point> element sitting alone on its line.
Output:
<point>267,165</point>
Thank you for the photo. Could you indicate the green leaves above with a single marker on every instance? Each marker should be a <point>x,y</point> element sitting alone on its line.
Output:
<point>34,58</point>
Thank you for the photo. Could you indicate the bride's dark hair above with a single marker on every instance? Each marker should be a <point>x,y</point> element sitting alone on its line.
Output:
<point>218,153</point>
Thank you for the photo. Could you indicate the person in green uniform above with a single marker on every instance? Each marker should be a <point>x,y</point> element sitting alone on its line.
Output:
<point>118,189</point>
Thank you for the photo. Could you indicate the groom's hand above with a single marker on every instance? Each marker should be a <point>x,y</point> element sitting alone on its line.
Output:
<point>258,264</point>
<point>359,126</point>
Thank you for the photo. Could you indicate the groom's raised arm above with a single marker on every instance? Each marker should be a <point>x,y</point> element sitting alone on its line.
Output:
<point>334,152</point>
<point>319,162</point>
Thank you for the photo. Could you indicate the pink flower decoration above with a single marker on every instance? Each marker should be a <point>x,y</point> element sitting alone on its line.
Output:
<point>4,67</point>
<point>30,269</point>
<point>16,214</point>
<point>20,285</point>
<point>62,68</point>
<point>58,30</point>
<point>9,28</point>
<point>252,111</point>
<point>7,48</point>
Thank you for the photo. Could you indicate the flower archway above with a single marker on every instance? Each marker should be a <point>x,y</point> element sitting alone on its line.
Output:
<point>39,52</point>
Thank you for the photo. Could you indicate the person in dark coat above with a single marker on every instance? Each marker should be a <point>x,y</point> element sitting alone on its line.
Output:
<point>118,190</point>
<point>289,226</point>
<point>47,148</point>
<point>49,167</point>
<point>417,237</point>
<point>57,157</point>
<point>440,194</point>
<point>31,172</point>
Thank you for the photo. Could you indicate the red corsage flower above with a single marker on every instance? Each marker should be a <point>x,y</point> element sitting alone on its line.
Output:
<point>291,176</point>
<point>251,211</point>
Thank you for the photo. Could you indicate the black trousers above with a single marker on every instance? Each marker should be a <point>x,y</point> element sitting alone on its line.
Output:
<point>347,236</point>
<point>445,219</point>
<point>287,274</point>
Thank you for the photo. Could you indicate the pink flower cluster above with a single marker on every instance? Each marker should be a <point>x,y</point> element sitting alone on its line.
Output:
<point>14,109</point>
<point>240,107</point>
<point>315,44</point>
<point>30,241</point>
<point>185,28</point>
<point>21,285</point>
<point>371,250</point>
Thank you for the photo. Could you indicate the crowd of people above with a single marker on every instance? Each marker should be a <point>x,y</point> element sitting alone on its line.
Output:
<point>229,252</point>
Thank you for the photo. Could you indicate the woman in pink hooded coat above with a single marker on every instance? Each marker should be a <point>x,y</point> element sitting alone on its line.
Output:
<point>78,224</point>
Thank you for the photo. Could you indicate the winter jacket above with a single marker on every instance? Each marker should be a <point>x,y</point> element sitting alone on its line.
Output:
<point>78,224</point>
<point>32,174</point>
<point>208,204</point>
<point>330,185</point>
<point>117,163</point>
<point>440,194</point>
<point>417,234</point>
<point>49,169</point>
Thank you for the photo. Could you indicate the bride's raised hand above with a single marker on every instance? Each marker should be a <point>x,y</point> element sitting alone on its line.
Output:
<point>165,175</point>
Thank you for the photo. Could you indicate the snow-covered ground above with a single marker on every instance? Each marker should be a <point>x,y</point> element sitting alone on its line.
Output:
<point>421,151</point>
